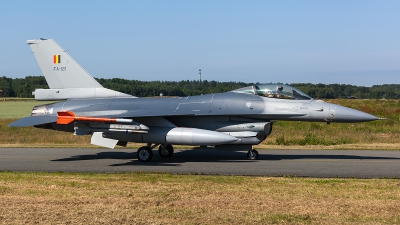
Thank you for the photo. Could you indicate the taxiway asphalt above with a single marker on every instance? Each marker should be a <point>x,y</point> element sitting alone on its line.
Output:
<point>304,163</point>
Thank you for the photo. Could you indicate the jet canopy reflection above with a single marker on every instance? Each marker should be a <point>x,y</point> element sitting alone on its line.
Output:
<point>280,91</point>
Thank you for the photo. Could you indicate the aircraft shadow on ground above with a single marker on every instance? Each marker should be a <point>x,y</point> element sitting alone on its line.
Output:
<point>181,156</point>
<point>211,155</point>
<point>316,156</point>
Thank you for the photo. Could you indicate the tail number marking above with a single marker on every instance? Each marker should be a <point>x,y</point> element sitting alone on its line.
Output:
<point>56,68</point>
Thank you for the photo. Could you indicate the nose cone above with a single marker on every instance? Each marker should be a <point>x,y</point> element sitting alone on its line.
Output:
<point>344,114</point>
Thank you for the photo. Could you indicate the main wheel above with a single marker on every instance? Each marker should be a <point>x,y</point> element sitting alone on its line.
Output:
<point>144,154</point>
<point>166,151</point>
<point>252,154</point>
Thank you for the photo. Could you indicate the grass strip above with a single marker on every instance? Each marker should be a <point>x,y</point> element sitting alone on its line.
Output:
<point>151,198</point>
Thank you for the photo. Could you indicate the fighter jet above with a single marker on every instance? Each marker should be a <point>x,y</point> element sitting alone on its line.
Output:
<point>234,121</point>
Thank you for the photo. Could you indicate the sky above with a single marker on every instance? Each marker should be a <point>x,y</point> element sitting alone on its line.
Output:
<point>344,42</point>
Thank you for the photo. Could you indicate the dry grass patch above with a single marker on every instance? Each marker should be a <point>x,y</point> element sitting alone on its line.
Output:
<point>139,198</point>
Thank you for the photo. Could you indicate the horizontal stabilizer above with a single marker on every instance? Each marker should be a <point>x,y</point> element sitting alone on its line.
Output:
<point>33,120</point>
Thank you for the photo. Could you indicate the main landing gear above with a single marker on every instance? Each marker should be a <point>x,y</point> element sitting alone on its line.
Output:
<point>166,151</point>
<point>145,153</point>
<point>252,154</point>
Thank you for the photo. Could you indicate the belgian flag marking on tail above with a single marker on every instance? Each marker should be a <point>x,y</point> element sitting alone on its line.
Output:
<point>57,59</point>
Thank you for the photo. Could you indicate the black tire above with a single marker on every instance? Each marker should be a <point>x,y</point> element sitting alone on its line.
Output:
<point>166,151</point>
<point>144,154</point>
<point>252,154</point>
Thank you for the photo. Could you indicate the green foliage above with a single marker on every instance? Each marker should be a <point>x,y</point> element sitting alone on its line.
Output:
<point>304,133</point>
<point>23,88</point>
<point>332,91</point>
<point>5,85</point>
<point>169,88</point>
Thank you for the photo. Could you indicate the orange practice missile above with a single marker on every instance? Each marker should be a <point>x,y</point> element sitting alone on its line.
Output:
<point>66,117</point>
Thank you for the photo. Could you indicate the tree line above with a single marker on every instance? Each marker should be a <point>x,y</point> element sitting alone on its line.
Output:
<point>23,88</point>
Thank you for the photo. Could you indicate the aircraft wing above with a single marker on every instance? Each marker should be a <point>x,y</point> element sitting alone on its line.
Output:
<point>130,113</point>
<point>38,120</point>
<point>145,113</point>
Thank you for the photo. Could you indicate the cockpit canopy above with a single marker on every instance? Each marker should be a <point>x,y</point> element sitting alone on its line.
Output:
<point>280,91</point>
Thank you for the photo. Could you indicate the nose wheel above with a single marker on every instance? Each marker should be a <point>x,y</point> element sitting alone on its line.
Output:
<point>252,154</point>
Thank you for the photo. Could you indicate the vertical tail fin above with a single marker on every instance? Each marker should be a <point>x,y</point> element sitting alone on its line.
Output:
<point>59,68</point>
<point>65,77</point>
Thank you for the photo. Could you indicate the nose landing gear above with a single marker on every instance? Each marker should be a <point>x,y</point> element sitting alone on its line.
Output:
<point>252,154</point>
